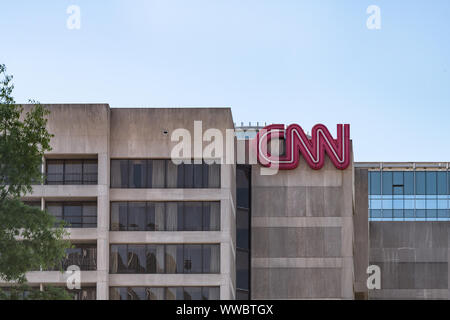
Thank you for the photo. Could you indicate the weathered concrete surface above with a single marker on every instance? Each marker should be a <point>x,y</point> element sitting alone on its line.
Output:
<point>96,131</point>
<point>302,233</point>
<point>361,233</point>
<point>413,257</point>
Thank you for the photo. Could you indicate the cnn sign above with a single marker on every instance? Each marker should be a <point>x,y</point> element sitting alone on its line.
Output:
<point>297,143</point>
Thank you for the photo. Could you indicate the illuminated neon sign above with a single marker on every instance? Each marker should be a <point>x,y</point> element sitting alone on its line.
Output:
<point>297,142</point>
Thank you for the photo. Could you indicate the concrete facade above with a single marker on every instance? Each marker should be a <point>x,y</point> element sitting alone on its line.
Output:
<point>98,132</point>
<point>302,233</point>
<point>413,258</point>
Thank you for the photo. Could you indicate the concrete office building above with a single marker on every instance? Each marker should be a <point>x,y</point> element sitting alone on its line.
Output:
<point>145,228</point>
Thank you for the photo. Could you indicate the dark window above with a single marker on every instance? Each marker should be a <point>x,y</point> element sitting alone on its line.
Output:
<point>165,216</point>
<point>211,258</point>
<point>138,173</point>
<point>193,219</point>
<point>71,172</point>
<point>167,293</point>
<point>55,172</point>
<point>211,216</point>
<point>82,255</point>
<point>163,174</point>
<point>75,214</point>
<point>192,293</point>
<point>137,262</point>
<point>174,259</point>
<point>119,173</point>
<point>118,258</point>
<point>119,216</point>
<point>137,216</point>
<point>155,259</point>
<point>192,258</point>
<point>160,258</point>
<point>243,187</point>
<point>243,213</point>
<point>242,228</point>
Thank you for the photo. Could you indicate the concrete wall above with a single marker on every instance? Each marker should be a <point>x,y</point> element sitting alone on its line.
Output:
<point>413,257</point>
<point>96,131</point>
<point>302,233</point>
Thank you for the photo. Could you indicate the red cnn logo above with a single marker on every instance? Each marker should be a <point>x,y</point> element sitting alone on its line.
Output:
<point>297,142</point>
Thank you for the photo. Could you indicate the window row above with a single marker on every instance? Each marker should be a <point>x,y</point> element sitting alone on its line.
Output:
<point>164,293</point>
<point>408,202</point>
<point>160,258</point>
<point>163,174</point>
<point>165,216</point>
<point>410,214</point>
<point>409,182</point>
<point>82,255</point>
<point>71,172</point>
<point>75,214</point>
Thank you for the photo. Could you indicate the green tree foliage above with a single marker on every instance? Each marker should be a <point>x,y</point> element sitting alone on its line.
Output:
<point>29,237</point>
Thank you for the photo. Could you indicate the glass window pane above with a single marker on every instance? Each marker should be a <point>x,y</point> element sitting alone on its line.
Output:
<point>375,182</point>
<point>397,178</point>
<point>193,216</point>
<point>210,293</point>
<point>211,216</point>
<point>155,259</point>
<point>420,182</point>
<point>119,173</point>
<point>198,176</point>
<point>192,293</point>
<point>431,179</point>
<point>174,293</point>
<point>174,258</point>
<point>118,293</point>
<point>214,175</point>
<point>155,293</point>
<point>242,270</point>
<point>137,293</point>
<point>73,172</point>
<point>442,182</point>
<point>55,209</point>
<point>243,187</point>
<point>137,173</point>
<point>211,258</point>
<point>387,183</point>
<point>175,178</point>
<point>55,171</point>
<point>174,216</point>
<point>137,216</point>
<point>188,175</point>
<point>242,226</point>
<point>408,180</point>
<point>118,258</point>
<point>157,177</point>
<point>119,221</point>
<point>192,258</point>
<point>137,262</point>
<point>90,172</point>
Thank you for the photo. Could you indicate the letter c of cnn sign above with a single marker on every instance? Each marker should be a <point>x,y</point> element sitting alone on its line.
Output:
<point>297,142</point>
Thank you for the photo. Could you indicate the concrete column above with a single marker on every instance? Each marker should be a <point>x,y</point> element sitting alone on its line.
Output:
<point>103,227</point>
